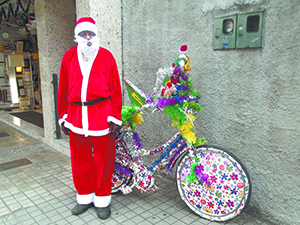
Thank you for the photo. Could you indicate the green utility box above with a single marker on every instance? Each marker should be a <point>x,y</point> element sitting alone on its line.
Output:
<point>243,30</point>
<point>249,30</point>
<point>225,32</point>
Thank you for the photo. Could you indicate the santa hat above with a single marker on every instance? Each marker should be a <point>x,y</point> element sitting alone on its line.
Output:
<point>183,49</point>
<point>85,23</point>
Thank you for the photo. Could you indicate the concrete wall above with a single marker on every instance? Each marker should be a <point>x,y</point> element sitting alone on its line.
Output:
<point>55,31</point>
<point>250,98</point>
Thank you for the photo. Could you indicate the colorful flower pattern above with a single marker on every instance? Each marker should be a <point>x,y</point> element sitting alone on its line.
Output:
<point>118,181</point>
<point>228,191</point>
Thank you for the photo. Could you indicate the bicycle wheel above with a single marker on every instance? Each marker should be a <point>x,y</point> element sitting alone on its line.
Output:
<point>226,193</point>
<point>119,180</point>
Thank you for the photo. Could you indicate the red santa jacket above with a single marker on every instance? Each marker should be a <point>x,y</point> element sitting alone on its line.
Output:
<point>102,81</point>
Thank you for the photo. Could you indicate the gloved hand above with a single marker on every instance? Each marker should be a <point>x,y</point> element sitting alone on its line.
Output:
<point>113,128</point>
<point>64,129</point>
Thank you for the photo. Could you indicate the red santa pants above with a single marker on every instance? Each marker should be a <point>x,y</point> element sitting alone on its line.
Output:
<point>92,162</point>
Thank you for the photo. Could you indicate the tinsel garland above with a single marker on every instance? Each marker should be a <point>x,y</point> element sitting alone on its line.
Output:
<point>193,176</point>
<point>122,170</point>
<point>187,83</point>
<point>163,102</point>
<point>137,118</point>
<point>149,102</point>
<point>177,114</point>
<point>188,132</point>
<point>137,141</point>
<point>152,152</point>
<point>182,102</point>
<point>202,176</point>
<point>164,155</point>
<point>175,155</point>
<point>182,106</point>
<point>196,173</point>
<point>161,148</point>
<point>180,88</point>
<point>149,99</point>
<point>131,116</point>
<point>161,74</point>
<point>173,106</point>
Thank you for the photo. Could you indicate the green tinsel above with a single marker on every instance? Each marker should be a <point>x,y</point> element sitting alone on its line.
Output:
<point>175,111</point>
<point>199,141</point>
<point>196,94</point>
<point>192,105</point>
<point>187,83</point>
<point>184,93</point>
<point>127,115</point>
<point>193,176</point>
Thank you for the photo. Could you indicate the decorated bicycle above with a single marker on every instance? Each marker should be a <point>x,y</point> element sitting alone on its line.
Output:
<point>211,182</point>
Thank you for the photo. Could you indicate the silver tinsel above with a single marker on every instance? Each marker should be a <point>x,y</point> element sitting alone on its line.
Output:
<point>160,76</point>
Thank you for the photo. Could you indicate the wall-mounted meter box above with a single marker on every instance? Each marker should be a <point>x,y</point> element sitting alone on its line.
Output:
<point>249,30</point>
<point>225,32</point>
<point>243,30</point>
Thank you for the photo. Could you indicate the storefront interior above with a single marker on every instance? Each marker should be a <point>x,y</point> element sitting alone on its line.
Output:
<point>20,89</point>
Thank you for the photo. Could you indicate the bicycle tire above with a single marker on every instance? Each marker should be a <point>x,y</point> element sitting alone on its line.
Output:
<point>230,189</point>
<point>119,180</point>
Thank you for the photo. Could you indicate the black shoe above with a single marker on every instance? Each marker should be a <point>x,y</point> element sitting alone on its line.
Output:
<point>103,213</point>
<point>80,208</point>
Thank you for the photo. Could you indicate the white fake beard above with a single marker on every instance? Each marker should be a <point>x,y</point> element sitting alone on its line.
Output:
<point>88,51</point>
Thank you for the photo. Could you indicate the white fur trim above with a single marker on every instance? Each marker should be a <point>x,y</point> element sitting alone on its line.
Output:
<point>182,55</point>
<point>86,132</point>
<point>181,63</point>
<point>114,120</point>
<point>85,199</point>
<point>85,122</point>
<point>102,201</point>
<point>63,119</point>
<point>85,26</point>
<point>85,68</point>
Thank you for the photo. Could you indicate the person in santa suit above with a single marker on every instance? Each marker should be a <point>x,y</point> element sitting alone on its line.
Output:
<point>89,106</point>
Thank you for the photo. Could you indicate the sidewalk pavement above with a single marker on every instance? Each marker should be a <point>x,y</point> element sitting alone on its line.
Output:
<point>42,192</point>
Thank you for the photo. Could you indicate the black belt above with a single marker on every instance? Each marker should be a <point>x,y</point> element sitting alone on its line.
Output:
<point>91,102</point>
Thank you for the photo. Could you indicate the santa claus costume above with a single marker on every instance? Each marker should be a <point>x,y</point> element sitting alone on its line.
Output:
<point>89,99</point>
